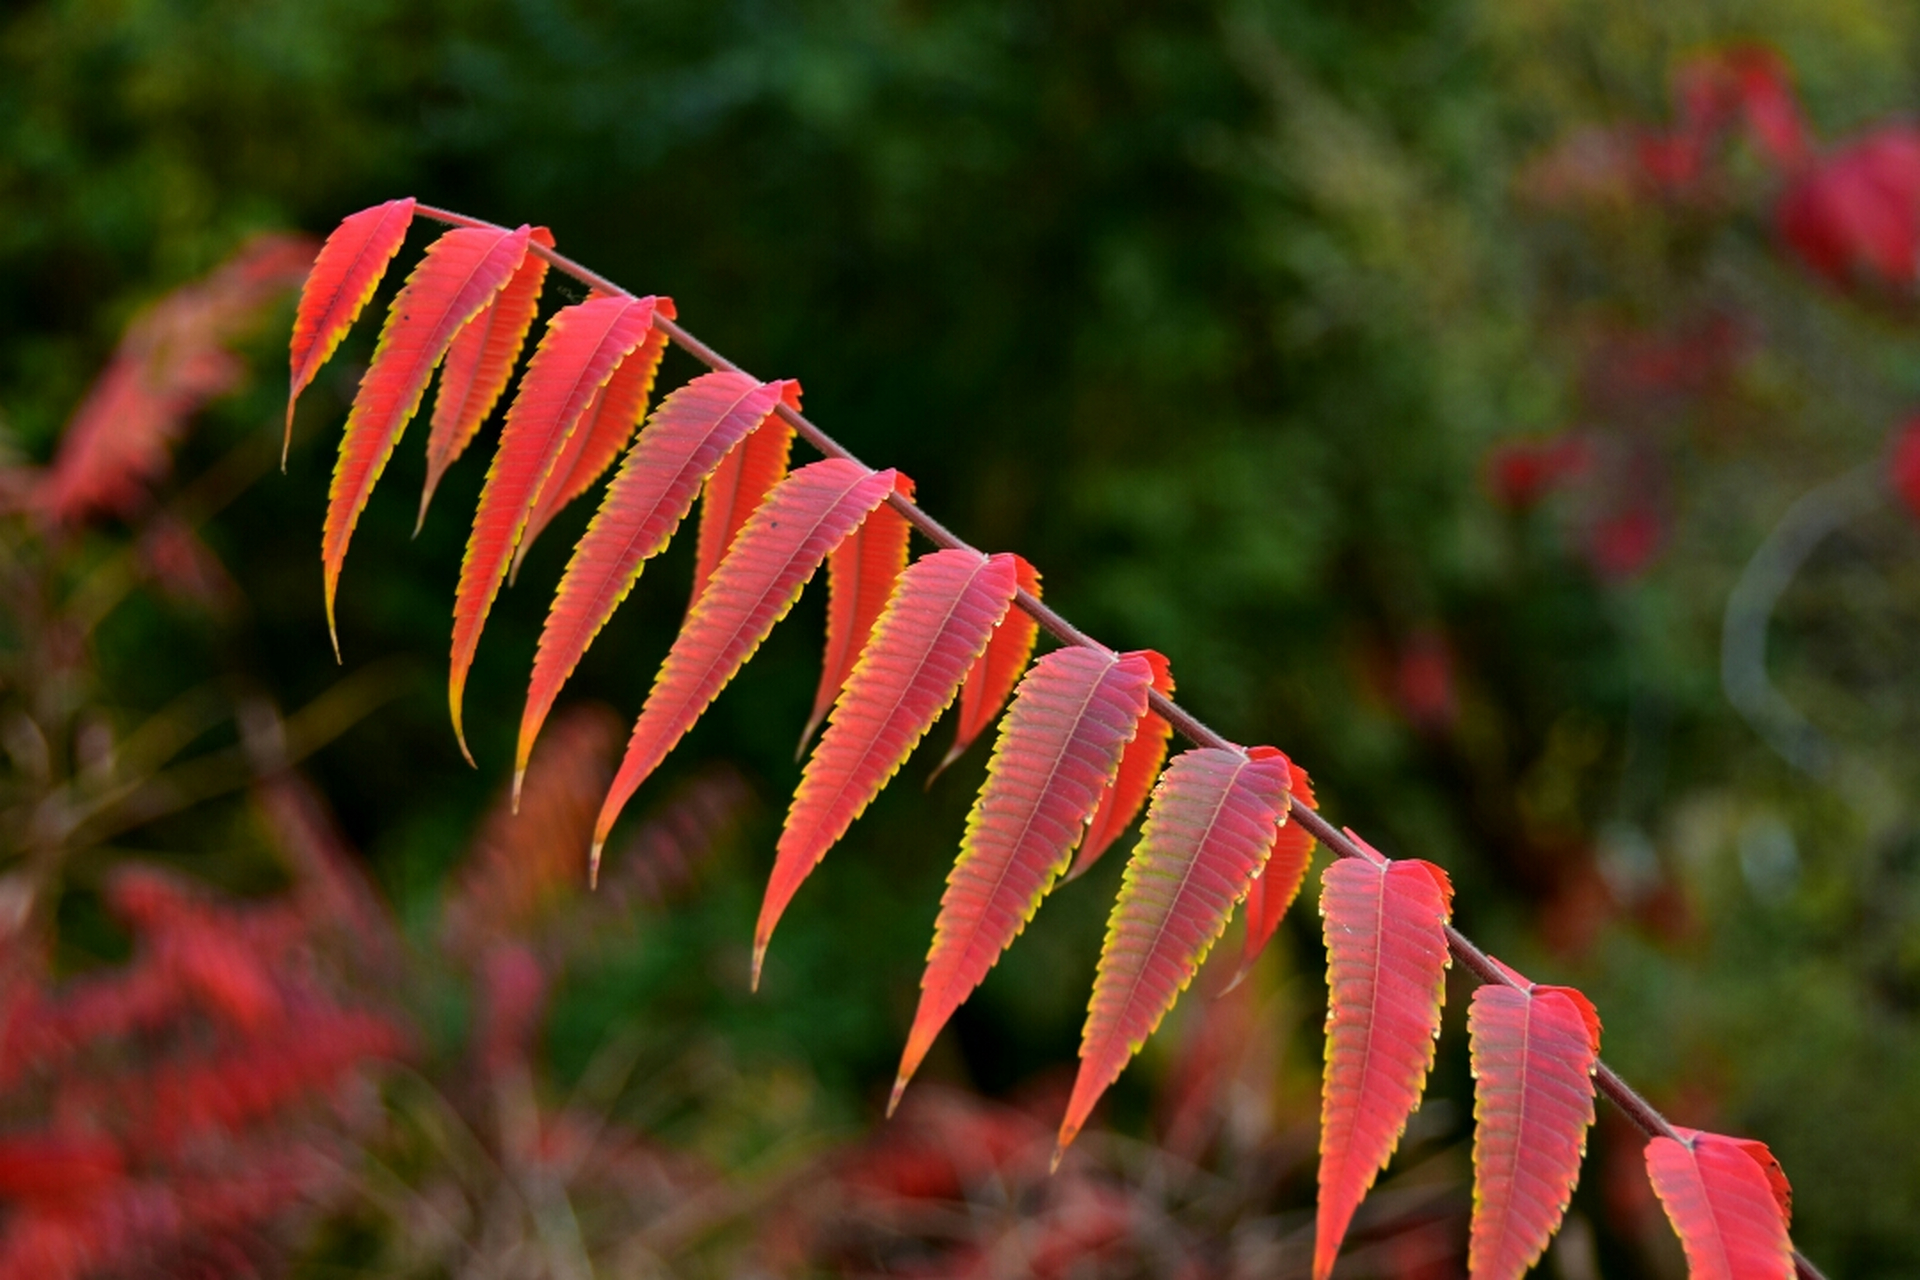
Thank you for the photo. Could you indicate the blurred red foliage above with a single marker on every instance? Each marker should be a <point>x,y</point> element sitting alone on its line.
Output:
<point>178,1097</point>
<point>172,360</point>
<point>1853,216</point>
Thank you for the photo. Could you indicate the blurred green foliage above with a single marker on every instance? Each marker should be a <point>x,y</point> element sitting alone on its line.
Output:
<point>1213,311</point>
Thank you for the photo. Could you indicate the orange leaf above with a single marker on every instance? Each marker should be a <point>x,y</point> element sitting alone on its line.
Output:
<point>338,288</point>
<point>783,543</point>
<point>479,363</point>
<point>575,358</point>
<point>937,622</point>
<point>1534,1052</point>
<point>1134,781</point>
<point>1728,1202</point>
<point>736,487</point>
<point>1385,925</point>
<point>1278,885</point>
<point>1058,748</point>
<point>604,431</point>
<point>994,671</point>
<point>860,577</point>
<point>1207,834</point>
<point>460,274</point>
<point>682,442</point>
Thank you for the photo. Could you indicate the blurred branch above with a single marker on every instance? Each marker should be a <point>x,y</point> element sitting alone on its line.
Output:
<point>1750,606</point>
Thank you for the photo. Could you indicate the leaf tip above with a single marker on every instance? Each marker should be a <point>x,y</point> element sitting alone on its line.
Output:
<point>899,1087</point>
<point>593,863</point>
<point>519,778</point>
<point>806,736</point>
<point>753,980</point>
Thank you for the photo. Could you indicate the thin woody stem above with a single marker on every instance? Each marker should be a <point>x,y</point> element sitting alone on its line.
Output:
<point>1636,1108</point>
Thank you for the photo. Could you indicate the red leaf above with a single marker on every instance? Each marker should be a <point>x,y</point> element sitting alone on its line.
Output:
<point>1130,786</point>
<point>479,363</point>
<point>1855,214</point>
<point>994,671</point>
<point>783,543</point>
<point>603,432</point>
<point>682,442</point>
<point>574,360</point>
<point>338,288</point>
<point>736,487</point>
<point>1534,1052</point>
<point>1208,831</point>
<point>937,622</point>
<point>460,274</point>
<point>1386,971</point>
<point>1278,883</point>
<point>1728,1202</point>
<point>1058,749</point>
<point>860,577</point>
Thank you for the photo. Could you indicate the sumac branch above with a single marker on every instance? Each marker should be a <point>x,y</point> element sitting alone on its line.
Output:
<point>1083,738</point>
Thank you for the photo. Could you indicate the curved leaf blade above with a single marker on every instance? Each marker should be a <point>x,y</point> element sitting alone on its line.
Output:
<point>1728,1202</point>
<point>783,543</point>
<point>650,495</point>
<point>478,365</point>
<point>347,271</point>
<point>995,671</point>
<point>1534,1051</point>
<point>860,577</point>
<point>574,360</point>
<point>1056,753</point>
<point>460,274</point>
<point>1385,927</point>
<point>750,469</point>
<point>1209,828</point>
<point>938,621</point>
<point>603,432</point>
<point>1275,888</point>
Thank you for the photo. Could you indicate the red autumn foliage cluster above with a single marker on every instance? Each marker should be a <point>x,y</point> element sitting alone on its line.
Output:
<point>205,1087</point>
<point>1849,214</point>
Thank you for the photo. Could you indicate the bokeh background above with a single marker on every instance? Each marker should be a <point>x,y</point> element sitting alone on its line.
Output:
<point>1499,405</point>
